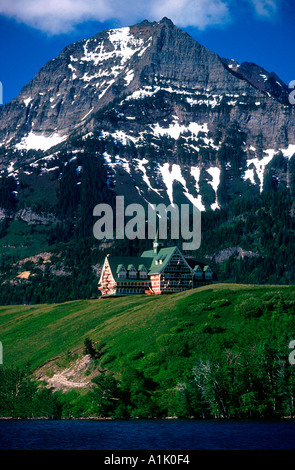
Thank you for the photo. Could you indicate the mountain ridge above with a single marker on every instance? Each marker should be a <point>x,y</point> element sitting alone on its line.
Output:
<point>123,67</point>
<point>168,52</point>
<point>148,113</point>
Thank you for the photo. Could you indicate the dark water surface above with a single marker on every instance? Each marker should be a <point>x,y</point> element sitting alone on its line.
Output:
<point>146,435</point>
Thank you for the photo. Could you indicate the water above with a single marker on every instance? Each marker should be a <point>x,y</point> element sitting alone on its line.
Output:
<point>146,435</point>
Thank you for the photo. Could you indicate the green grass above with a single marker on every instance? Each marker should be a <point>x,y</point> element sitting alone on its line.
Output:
<point>151,331</point>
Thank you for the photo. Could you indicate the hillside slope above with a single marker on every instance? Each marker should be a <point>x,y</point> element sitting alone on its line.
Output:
<point>169,348</point>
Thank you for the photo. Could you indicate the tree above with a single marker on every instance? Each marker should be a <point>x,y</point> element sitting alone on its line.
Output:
<point>8,187</point>
<point>106,395</point>
<point>88,348</point>
<point>137,393</point>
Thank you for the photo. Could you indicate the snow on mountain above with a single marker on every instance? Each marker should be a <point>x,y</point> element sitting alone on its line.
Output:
<point>162,104</point>
<point>39,142</point>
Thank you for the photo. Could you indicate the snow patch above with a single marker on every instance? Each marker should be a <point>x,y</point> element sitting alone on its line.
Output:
<point>197,202</point>
<point>214,171</point>
<point>39,142</point>
<point>141,167</point>
<point>10,167</point>
<point>169,176</point>
<point>260,165</point>
<point>87,114</point>
<point>149,41</point>
<point>129,77</point>
<point>74,75</point>
<point>195,172</point>
<point>27,101</point>
<point>125,45</point>
<point>289,152</point>
<point>106,89</point>
<point>143,93</point>
<point>120,136</point>
<point>249,175</point>
<point>212,101</point>
<point>175,129</point>
<point>122,162</point>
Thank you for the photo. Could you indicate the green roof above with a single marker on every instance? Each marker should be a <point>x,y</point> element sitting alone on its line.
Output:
<point>117,261</point>
<point>148,254</point>
<point>141,266</point>
<point>197,267</point>
<point>148,258</point>
<point>164,255</point>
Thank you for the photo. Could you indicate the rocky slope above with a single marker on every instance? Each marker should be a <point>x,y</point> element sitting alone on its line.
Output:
<point>152,86</point>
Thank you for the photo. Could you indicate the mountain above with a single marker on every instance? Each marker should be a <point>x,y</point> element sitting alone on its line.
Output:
<point>149,113</point>
<point>89,74</point>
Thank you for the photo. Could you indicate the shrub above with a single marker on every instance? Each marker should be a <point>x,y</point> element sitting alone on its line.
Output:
<point>250,308</point>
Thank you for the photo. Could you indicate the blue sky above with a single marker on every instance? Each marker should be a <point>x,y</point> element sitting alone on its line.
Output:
<point>260,31</point>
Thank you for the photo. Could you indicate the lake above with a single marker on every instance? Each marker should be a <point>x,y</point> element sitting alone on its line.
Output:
<point>146,435</point>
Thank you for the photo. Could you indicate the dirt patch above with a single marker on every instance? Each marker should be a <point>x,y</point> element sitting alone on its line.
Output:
<point>24,275</point>
<point>35,259</point>
<point>70,378</point>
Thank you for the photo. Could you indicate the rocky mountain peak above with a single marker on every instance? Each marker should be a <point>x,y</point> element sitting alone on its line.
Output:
<point>90,74</point>
<point>152,86</point>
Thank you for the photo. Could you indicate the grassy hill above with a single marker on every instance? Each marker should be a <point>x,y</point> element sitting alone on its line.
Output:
<point>174,349</point>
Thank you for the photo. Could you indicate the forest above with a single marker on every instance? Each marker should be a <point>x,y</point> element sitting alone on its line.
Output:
<point>261,224</point>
